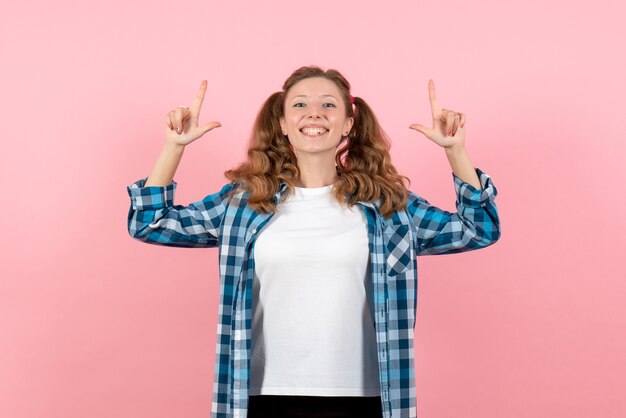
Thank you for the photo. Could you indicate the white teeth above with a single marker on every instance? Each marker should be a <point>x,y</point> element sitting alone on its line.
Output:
<point>314,131</point>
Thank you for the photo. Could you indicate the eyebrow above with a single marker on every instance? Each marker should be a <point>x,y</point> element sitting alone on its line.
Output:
<point>323,95</point>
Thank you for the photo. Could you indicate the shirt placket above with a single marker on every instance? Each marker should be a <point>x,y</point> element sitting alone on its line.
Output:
<point>375,228</point>
<point>243,316</point>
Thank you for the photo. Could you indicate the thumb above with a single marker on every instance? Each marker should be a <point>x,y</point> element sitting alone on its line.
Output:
<point>211,125</point>
<point>420,128</point>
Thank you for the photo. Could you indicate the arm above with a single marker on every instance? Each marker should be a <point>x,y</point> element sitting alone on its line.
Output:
<point>166,165</point>
<point>475,224</point>
<point>154,219</point>
<point>462,166</point>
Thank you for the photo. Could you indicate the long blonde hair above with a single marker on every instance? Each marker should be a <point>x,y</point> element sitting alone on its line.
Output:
<point>363,162</point>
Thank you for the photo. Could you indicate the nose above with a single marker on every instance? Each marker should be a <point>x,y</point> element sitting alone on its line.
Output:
<point>314,111</point>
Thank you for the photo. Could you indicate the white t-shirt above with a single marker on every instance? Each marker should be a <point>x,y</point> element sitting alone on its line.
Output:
<point>313,326</point>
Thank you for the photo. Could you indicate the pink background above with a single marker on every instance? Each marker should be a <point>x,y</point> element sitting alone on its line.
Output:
<point>96,324</point>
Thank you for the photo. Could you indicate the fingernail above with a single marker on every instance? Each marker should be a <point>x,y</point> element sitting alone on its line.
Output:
<point>178,129</point>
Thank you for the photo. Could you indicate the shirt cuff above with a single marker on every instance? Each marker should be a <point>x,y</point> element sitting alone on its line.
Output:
<point>151,197</point>
<point>470,196</point>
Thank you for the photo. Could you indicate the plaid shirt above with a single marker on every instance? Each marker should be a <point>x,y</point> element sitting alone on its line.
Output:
<point>394,243</point>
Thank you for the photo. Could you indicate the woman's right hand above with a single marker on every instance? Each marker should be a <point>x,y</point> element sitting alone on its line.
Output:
<point>182,123</point>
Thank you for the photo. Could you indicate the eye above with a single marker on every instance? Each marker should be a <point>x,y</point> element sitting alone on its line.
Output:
<point>296,104</point>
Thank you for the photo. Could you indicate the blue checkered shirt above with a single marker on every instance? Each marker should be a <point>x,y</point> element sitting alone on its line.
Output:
<point>394,243</point>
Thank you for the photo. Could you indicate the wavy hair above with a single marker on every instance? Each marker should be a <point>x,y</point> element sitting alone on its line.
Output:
<point>363,162</point>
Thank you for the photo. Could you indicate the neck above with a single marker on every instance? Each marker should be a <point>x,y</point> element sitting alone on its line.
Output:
<point>316,172</point>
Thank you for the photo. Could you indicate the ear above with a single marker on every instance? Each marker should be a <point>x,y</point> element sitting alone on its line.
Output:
<point>282,124</point>
<point>348,125</point>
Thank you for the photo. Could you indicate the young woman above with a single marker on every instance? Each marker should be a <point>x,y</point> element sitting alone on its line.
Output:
<point>318,237</point>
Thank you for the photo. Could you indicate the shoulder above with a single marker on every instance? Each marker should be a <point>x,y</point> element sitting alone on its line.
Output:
<point>235,193</point>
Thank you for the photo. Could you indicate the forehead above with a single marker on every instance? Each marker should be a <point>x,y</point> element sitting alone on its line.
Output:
<point>314,86</point>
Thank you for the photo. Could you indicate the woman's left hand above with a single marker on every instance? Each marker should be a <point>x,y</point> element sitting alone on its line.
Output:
<point>448,128</point>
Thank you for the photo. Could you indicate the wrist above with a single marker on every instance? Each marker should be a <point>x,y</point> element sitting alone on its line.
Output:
<point>455,149</point>
<point>173,147</point>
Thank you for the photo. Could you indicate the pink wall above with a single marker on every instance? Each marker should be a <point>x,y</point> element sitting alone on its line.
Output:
<point>95,324</point>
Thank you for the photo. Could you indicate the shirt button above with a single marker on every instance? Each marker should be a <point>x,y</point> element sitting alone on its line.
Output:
<point>254,231</point>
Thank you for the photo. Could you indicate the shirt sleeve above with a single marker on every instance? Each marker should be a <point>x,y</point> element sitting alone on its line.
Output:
<point>475,225</point>
<point>154,219</point>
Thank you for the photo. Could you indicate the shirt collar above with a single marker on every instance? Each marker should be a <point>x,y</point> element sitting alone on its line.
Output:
<point>282,188</point>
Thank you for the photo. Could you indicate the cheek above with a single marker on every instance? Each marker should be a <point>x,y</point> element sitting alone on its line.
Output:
<point>292,121</point>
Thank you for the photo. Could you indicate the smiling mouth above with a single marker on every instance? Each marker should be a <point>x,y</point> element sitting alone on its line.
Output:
<point>314,132</point>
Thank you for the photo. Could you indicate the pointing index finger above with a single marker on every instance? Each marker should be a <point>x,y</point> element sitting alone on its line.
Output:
<point>197,103</point>
<point>434,104</point>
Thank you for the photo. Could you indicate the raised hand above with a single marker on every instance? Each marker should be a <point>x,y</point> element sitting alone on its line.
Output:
<point>448,128</point>
<point>182,122</point>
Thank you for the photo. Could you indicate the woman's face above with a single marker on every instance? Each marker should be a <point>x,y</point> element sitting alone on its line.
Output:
<point>315,116</point>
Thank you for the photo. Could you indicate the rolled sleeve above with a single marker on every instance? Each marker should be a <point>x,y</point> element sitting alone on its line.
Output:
<point>470,196</point>
<point>474,225</point>
<point>154,218</point>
